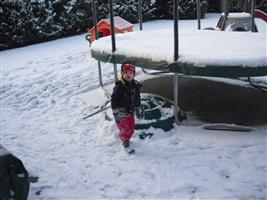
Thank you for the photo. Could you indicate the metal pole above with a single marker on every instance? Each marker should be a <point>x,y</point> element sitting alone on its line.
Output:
<point>140,15</point>
<point>111,16</point>
<point>176,54</point>
<point>96,37</point>
<point>176,36</point>
<point>115,72</point>
<point>99,73</point>
<point>175,96</point>
<point>95,18</point>
<point>226,7</point>
<point>253,15</point>
<point>198,15</point>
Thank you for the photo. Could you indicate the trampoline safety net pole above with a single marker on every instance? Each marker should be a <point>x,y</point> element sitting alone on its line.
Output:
<point>225,7</point>
<point>198,15</point>
<point>95,18</point>
<point>140,15</point>
<point>96,37</point>
<point>253,15</point>
<point>175,23</point>
<point>111,17</point>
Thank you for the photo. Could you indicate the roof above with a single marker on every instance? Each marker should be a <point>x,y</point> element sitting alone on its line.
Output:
<point>119,22</point>
<point>242,15</point>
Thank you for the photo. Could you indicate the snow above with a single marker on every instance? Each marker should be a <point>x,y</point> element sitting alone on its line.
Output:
<point>239,15</point>
<point>198,47</point>
<point>119,22</point>
<point>47,88</point>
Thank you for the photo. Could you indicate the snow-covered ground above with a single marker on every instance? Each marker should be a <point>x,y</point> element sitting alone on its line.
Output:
<point>45,91</point>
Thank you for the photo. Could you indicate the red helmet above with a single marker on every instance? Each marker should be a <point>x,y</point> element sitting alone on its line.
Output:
<point>127,67</point>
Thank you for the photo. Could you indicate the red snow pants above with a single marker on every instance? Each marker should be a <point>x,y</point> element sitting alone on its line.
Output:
<point>126,127</point>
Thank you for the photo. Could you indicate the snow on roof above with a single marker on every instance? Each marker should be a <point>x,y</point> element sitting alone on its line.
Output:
<point>196,47</point>
<point>119,22</point>
<point>239,15</point>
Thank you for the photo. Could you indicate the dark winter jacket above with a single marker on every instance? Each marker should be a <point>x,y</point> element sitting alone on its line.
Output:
<point>125,98</point>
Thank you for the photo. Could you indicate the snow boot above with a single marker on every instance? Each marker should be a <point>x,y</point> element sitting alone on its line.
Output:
<point>126,147</point>
<point>126,144</point>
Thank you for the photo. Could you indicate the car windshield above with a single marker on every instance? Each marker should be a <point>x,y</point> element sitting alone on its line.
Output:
<point>238,24</point>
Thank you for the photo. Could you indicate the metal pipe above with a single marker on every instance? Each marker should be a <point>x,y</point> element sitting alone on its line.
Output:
<point>111,16</point>
<point>198,15</point>
<point>175,97</point>
<point>96,37</point>
<point>175,24</point>
<point>99,73</point>
<point>226,7</point>
<point>176,54</point>
<point>140,15</point>
<point>253,4</point>
<point>95,18</point>
<point>115,72</point>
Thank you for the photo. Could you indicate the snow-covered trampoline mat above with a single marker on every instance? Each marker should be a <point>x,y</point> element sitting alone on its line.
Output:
<point>201,52</point>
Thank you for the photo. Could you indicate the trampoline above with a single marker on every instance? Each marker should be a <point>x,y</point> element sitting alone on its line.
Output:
<point>215,53</point>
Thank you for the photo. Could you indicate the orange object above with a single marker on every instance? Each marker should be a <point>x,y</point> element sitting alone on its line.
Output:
<point>103,27</point>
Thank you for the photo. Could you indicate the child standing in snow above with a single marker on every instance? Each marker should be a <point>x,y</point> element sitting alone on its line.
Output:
<point>125,101</point>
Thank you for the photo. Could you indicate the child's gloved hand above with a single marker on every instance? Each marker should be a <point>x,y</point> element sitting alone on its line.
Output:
<point>118,115</point>
<point>117,119</point>
<point>138,112</point>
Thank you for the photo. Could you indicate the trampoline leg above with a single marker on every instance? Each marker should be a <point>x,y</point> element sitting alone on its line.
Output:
<point>179,115</point>
<point>175,96</point>
<point>115,72</point>
<point>100,74</point>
